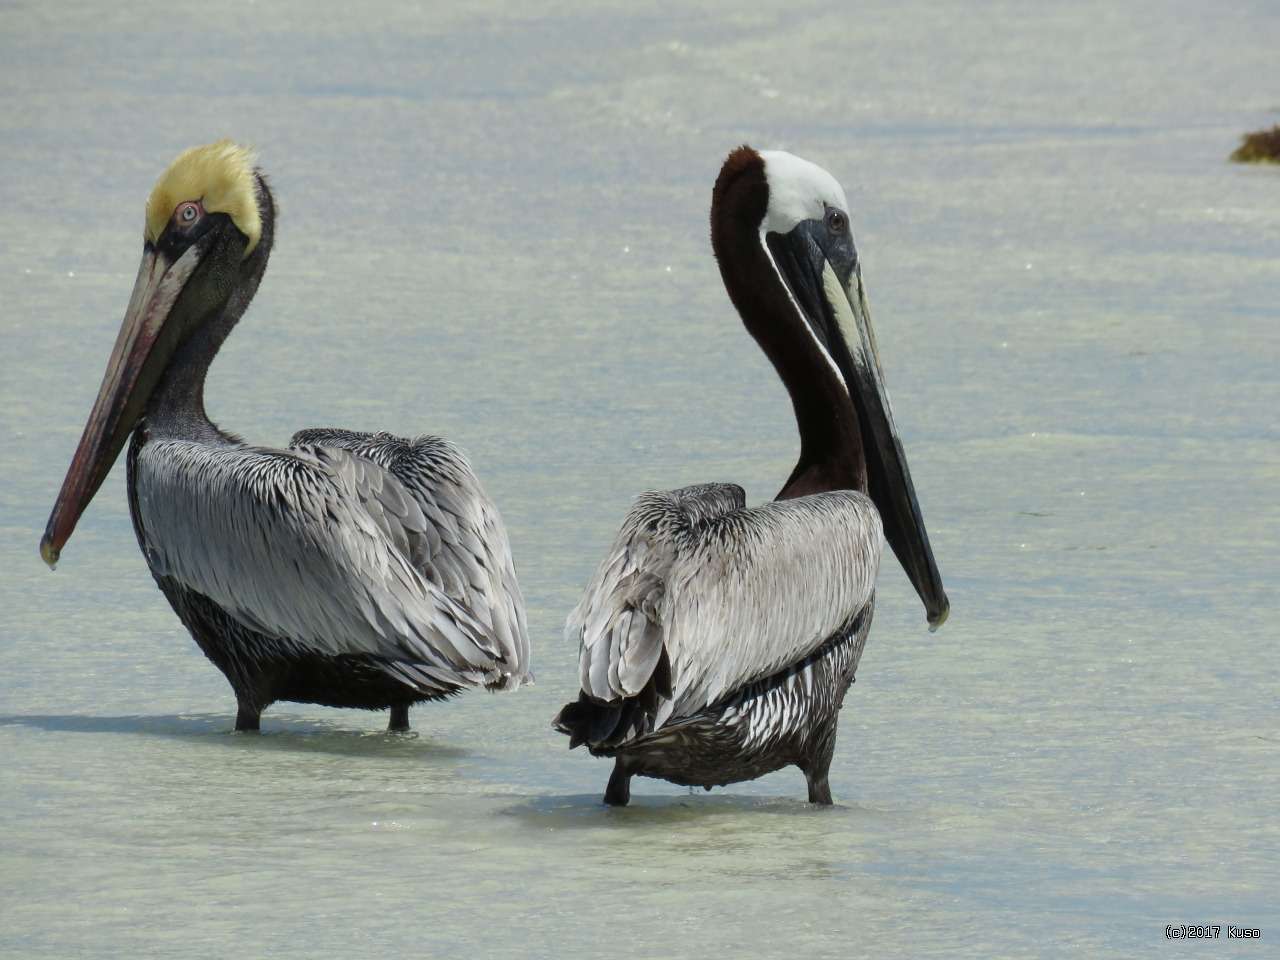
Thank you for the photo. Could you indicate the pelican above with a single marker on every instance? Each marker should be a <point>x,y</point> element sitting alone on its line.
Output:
<point>350,569</point>
<point>717,640</point>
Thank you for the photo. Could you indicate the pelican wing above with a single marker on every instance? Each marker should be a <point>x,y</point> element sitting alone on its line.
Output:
<point>464,549</point>
<point>728,595</point>
<point>314,545</point>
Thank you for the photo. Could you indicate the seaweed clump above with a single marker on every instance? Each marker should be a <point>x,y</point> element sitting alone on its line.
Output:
<point>1260,147</point>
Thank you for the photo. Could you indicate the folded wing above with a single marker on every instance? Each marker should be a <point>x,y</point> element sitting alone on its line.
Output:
<point>465,550</point>
<point>699,595</point>
<point>322,546</point>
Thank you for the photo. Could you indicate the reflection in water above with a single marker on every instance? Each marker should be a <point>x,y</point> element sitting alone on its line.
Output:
<point>154,726</point>
<point>293,735</point>
<point>567,811</point>
<point>730,836</point>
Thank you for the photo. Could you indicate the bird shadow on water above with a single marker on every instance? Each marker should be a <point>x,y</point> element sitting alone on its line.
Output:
<point>284,734</point>
<point>588,811</point>
<point>751,838</point>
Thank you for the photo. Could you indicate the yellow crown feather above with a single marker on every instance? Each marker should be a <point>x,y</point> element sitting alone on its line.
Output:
<point>220,177</point>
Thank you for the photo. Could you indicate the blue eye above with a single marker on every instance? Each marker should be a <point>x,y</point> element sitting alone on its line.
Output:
<point>187,213</point>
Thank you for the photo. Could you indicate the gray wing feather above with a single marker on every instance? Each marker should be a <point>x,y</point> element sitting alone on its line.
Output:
<point>463,546</point>
<point>732,595</point>
<point>314,544</point>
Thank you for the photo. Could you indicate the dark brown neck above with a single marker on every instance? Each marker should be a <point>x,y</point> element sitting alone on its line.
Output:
<point>831,454</point>
<point>177,405</point>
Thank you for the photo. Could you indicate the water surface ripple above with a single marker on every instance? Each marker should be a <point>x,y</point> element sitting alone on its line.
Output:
<point>493,227</point>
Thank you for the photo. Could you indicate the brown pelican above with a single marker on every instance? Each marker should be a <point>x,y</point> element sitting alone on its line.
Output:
<point>717,640</point>
<point>351,569</point>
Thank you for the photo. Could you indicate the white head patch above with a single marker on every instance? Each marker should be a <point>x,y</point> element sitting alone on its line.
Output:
<point>798,190</point>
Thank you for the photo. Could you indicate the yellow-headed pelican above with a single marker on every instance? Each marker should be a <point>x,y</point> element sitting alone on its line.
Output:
<point>351,569</point>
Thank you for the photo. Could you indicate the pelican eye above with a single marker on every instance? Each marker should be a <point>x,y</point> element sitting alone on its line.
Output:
<point>837,221</point>
<point>187,213</point>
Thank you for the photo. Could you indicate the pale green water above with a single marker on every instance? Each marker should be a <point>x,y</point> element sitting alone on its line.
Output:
<point>1075,302</point>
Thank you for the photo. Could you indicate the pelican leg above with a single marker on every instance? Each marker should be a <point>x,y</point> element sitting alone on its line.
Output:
<point>819,789</point>
<point>618,793</point>
<point>248,715</point>
<point>817,765</point>
<point>399,722</point>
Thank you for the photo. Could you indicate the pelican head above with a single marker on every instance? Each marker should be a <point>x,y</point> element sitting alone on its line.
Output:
<point>781,231</point>
<point>204,241</point>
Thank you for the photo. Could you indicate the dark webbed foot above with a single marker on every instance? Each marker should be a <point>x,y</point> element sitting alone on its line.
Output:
<point>399,722</point>
<point>618,793</point>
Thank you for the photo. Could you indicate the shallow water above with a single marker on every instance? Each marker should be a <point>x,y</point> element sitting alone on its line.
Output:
<point>493,227</point>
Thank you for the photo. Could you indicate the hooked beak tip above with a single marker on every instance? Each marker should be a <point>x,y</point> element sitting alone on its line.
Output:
<point>48,552</point>
<point>940,619</point>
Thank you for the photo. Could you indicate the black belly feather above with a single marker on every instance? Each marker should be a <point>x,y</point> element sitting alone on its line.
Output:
<point>263,669</point>
<point>786,718</point>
